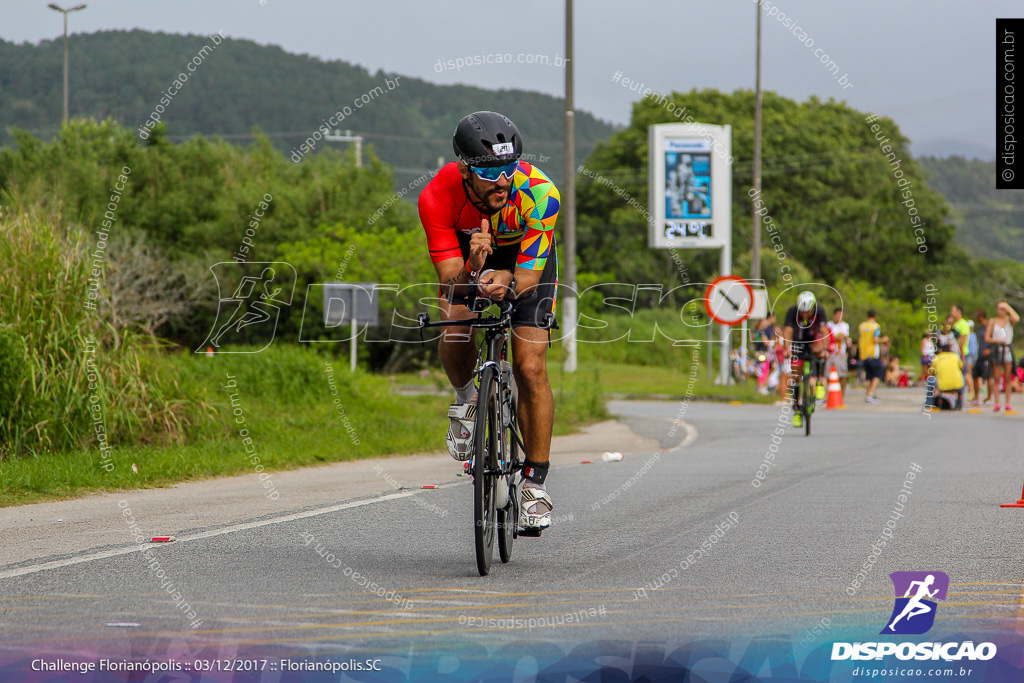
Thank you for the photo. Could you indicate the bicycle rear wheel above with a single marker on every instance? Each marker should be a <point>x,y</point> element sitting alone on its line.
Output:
<point>485,465</point>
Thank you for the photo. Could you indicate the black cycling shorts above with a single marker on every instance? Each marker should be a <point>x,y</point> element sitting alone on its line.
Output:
<point>533,310</point>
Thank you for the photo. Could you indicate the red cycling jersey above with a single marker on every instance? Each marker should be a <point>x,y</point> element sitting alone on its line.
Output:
<point>527,219</point>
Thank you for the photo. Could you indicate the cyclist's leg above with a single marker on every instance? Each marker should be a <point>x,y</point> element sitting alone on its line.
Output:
<point>456,347</point>
<point>796,371</point>
<point>536,402</point>
<point>536,416</point>
<point>818,376</point>
<point>796,379</point>
<point>530,342</point>
<point>458,356</point>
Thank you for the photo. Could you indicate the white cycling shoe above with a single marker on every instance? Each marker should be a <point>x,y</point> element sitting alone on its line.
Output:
<point>535,511</point>
<point>462,419</point>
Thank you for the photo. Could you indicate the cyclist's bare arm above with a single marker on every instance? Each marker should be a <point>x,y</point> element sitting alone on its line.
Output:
<point>787,339</point>
<point>496,284</point>
<point>455,274</point>
<point>454,277</point>
<point>818,345</point>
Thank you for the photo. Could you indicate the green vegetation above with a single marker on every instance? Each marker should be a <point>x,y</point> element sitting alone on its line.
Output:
<point>988,219</point>
<point>104,306</point>
<point>826,184</point>
<point>842,217</point>
<point>299,407</point>
<point>182,208</point>
<point>67,377</point>
<point>241,85</point>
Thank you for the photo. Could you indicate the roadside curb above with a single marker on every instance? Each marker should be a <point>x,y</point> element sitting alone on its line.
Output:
<point>43,532</point>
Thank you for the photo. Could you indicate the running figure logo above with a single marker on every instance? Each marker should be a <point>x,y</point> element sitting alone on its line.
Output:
<point>252,311</point>
<point>916,592</point>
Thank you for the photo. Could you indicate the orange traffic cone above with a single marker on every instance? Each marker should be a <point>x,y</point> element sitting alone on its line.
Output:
<point>1018,504</point>
<point>835,392</point>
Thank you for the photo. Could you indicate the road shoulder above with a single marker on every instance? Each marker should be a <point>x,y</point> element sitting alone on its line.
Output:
<point>48,531</point>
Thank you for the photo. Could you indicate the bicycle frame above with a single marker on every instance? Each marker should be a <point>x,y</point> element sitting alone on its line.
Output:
<point>497,438</point>
<point>492,349</point>
<point>808,365</point>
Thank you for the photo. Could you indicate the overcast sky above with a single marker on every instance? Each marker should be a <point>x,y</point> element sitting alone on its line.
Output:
<point>929,65</point>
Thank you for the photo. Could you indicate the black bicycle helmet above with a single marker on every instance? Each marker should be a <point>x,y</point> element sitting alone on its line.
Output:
<point>487,139</point>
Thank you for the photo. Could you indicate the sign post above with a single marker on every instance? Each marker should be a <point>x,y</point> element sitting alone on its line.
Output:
<point>690,197</point>
<point>729,300</point>
<point>352,302</point>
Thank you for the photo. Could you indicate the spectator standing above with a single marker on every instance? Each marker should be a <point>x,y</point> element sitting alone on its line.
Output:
<point>764,337</point>
<point>927,354</point>
<point>871,342</point>
<point>964,330</point>
<point>982,371</point>
<point>838,353</point>
<point>999,336</point>
<point>781,363</point>
<point>855,369</point>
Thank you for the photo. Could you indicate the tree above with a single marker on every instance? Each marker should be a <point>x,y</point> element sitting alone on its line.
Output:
<point>828,185</point>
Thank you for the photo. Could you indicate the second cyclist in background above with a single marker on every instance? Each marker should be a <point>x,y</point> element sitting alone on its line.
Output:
<point>806,335</point>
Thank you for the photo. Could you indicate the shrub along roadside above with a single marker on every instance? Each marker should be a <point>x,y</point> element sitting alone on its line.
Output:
<point>68,380</point>
<point>297,407</point>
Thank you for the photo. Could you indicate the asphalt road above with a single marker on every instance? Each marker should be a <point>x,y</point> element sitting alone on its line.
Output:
<point>624,556</point>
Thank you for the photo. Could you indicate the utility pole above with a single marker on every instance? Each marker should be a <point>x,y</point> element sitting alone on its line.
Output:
<point>755,261</point>
<point>568,208</point>
<point>65,12</point>
<point>348,137</point>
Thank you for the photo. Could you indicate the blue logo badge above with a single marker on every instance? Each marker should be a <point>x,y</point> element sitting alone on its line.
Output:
<point>916,592</point>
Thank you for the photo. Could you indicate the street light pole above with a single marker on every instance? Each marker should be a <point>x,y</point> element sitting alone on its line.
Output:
<point>568,208</point>
<point>348,137</point>
<point>755,257</point>
<point>65,12</point>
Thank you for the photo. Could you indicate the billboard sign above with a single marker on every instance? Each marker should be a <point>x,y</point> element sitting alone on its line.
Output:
<point>690,185</point>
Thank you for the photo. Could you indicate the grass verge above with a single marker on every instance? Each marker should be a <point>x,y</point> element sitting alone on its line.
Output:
<point>295,406</point>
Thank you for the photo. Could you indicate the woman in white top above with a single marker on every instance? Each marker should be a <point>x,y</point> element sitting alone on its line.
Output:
<point>999,337</point>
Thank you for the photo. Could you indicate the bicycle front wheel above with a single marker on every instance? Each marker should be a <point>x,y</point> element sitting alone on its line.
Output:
<point>807,401</point>
<point>508,517</point>
<point>485,467</point>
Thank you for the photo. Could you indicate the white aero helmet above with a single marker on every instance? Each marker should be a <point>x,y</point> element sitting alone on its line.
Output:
<point>805,302</point>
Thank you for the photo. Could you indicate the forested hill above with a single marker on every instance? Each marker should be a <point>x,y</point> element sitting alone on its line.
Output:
<point>990,221</point>
<point>239,84</point>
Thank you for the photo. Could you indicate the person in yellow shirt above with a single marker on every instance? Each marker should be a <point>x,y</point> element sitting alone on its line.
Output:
<point>949,375</point>
<point>871,342</point>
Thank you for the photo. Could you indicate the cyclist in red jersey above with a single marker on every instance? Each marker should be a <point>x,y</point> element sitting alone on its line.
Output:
<point>489,220</point>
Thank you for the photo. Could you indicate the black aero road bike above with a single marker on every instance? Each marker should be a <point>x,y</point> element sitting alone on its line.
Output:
<point>498,450</point>
<point>811,366</point>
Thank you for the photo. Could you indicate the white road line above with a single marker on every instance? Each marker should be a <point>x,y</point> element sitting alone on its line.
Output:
<point>57,564</point>
<point>691,436</point>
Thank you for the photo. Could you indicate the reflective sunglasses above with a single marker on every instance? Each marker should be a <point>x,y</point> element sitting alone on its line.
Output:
<point>493,174</point>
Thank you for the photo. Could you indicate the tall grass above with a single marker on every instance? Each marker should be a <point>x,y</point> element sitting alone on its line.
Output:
<point>58,358</point>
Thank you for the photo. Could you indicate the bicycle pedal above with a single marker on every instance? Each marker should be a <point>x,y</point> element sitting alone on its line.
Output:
<point>531,533</point>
